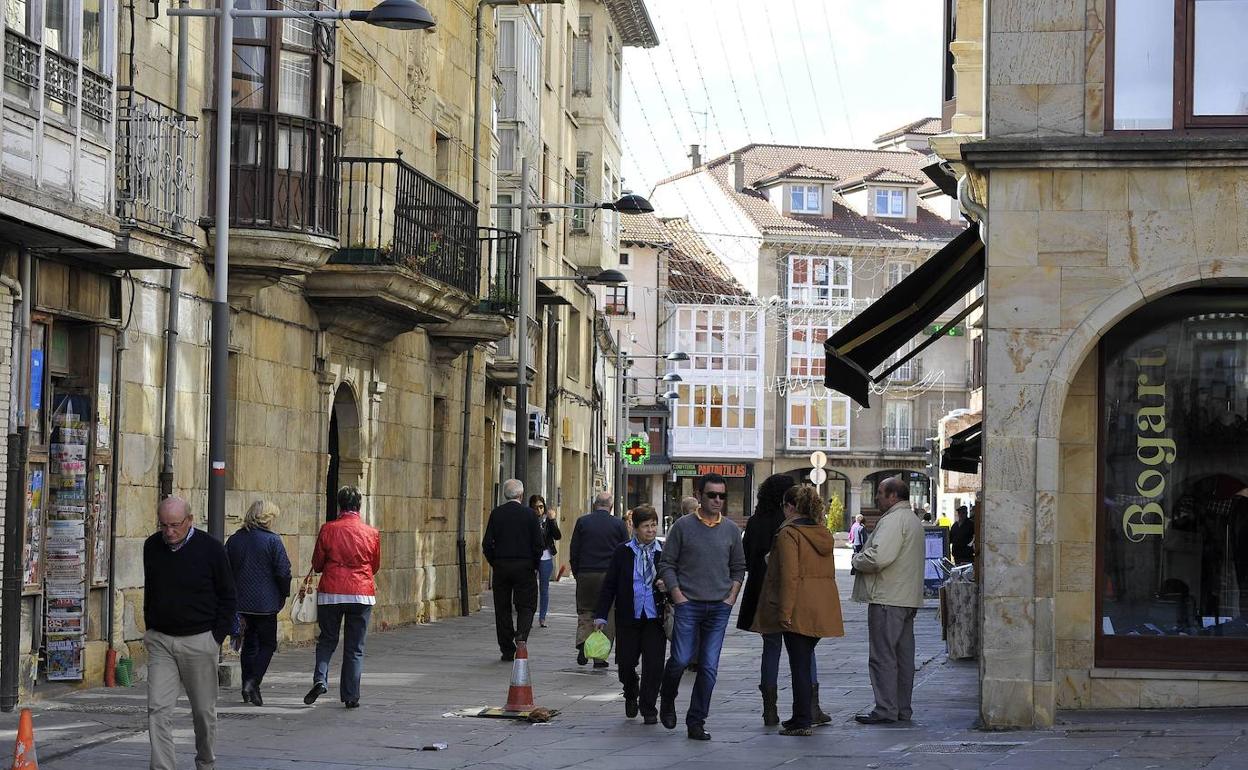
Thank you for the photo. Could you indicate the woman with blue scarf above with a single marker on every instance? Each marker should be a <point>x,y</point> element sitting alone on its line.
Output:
<point>631,585</point>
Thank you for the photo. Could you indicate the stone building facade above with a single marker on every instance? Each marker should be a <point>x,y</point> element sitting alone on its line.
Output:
<point>1113,202</point>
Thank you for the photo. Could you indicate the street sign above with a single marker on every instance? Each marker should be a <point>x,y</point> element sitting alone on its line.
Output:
<point>637,450</point>
<point>818,460</point>
<point>818,476</point>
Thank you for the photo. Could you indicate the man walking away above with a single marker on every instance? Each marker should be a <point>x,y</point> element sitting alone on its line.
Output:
<point>961,537</point>
<point>188,606</point>
<point>594,539</point>
<point>889,578</point>
<point>513,545</point>
<point>703,566</point>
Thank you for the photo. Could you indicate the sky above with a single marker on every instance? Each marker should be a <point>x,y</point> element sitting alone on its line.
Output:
<point>730,72</point>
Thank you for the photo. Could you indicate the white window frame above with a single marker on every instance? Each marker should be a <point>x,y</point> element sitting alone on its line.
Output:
<point>830,292</point>
<point>898,431</point>
<point>806,356</point>
<point>718,339</point>
<point>892,195</point>
<point>806,194</point>
<point>898,271</point>
<point>817,434</point>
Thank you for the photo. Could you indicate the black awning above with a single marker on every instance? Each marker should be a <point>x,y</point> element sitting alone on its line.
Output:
<point>902,313</point>
<point>965,450</point>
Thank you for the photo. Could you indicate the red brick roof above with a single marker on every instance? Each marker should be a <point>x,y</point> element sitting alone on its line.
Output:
<point>767,161</point>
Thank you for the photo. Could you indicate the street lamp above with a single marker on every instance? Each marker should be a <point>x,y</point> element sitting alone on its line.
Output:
<point>389,14</point>
<point>677,355</point>
<point>606,277</point>
<point>626,204</point>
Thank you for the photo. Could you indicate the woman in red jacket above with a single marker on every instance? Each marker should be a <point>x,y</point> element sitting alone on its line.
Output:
<point>348,555</point>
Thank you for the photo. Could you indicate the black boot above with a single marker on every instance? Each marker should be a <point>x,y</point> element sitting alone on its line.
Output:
<point>817,715</point>
<point>771,717</point>
<point>580,654</point>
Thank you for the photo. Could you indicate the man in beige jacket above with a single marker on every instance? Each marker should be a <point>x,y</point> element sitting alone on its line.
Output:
<point>889,578</point>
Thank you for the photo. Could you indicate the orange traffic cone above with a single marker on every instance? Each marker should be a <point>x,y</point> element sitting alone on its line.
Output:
<point>520,694</point>
<point>24,757</point>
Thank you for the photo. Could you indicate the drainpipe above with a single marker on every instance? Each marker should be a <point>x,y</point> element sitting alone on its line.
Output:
<point>175,299</point>
<point>972,208</point>
<point>461,534</point>
<point>15,494</point>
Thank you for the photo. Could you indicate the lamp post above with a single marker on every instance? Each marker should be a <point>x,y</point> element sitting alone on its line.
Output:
<point>626,204</point>
<point>623,361</point>
<point>390,14</point>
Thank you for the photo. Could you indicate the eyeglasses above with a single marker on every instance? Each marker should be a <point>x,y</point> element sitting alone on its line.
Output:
<point>716,495</point>
<point>162,525</point>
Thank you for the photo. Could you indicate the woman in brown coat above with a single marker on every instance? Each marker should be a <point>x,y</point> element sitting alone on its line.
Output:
<point>800,597</point>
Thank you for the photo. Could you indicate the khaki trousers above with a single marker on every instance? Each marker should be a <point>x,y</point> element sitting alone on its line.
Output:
<point>588,586</point>
<point>890,635</point>
<point>174,662</point>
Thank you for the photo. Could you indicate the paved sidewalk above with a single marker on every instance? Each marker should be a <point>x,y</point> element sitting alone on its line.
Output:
<point>415,677</point>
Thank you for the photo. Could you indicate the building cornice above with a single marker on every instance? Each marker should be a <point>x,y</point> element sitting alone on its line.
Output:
<point>1118,151</point>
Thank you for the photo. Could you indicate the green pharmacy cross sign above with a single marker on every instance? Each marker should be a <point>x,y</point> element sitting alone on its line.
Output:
<point>956,331</point>
<point>636,450</point>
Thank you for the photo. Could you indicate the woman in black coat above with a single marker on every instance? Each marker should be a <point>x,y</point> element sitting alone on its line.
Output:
<point>760,531</point>
<point>550,533</point>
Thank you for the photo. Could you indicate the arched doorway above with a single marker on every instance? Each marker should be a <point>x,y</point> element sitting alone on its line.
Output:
<point>836,487</point>
<point>343,446</point>
<point>920,491</point>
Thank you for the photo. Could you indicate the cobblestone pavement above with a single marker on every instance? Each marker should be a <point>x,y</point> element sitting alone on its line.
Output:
<point>416,677</point>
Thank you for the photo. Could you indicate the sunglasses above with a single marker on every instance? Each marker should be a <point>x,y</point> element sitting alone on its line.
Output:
<point>716,495</point>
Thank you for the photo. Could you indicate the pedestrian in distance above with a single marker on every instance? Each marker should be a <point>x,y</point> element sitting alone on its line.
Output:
<point>689,505</point>
<point>594,539</point>
<point>800,599</point>
<point>262,578</point>
<point>889,579</point>
<point>632,588</point>
<point>760,532</point>
<point>962,537</point>
<point>188,608</point>
<point>513,545</point>
<point>702,566</point>
<point>858,533</point>
<point>348,555</point>
<point>546,567</point>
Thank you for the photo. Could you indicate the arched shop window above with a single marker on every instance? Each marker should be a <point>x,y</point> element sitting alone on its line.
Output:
<point>1173,446</point>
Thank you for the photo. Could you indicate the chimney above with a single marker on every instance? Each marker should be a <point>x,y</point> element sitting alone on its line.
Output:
<point>738,171</point>
<point>695,155</point>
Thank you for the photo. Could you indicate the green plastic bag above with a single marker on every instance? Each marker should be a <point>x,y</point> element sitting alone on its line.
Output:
<point>597,646</point>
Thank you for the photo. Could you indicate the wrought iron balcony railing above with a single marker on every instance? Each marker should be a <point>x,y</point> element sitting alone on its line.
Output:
<point>283,173</point>
<point>906,439</point>
<point>156,165</point>
<point>393,214</point>
<point>499,260</point>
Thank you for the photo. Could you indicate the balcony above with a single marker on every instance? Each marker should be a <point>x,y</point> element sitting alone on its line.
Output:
<point>905,439</point>
<point>491,319</point>
<point>156,165</point>
<point>283,197</point>
<point>409,255</point>
<point>910,371</point>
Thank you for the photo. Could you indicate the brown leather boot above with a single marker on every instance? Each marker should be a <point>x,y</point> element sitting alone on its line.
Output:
<point>771,717</point>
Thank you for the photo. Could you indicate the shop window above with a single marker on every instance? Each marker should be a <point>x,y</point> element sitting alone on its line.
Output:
<point>1173,530</point>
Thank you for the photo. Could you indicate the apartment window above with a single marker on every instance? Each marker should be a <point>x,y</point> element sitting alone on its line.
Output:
<point>818,419</point>
<point>579,183</point>
<point>624,258</point>
<point>582,58</point>
<point>506,216</point>
<point>806,354</point>
<point>1208,67</point>
<point>733,407</point>
<point>507,149</point>
<point>818,280</point>
<point>574,344</point>
<point>897,271</point>
<point>890,203</point>
<point>47,41</point>
<point>899,434</point>
<point>616,300</point>
<point>805,199</point>
<point>443,158</point>
<point>718,339</point>
<point>614,70</point>
<point>304,53</point>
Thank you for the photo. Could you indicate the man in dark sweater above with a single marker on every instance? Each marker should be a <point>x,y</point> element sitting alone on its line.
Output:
<point>594,540</point>
<point>188,608</point>
<point>513,545</point>
<point>703,566</point>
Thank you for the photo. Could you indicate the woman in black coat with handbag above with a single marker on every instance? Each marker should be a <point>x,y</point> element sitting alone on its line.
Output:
<point>632,586</point>
<point>550,533</point>
<point>760,532</point>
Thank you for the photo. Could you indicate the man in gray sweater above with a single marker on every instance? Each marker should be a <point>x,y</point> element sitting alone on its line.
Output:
<point>703,566</point>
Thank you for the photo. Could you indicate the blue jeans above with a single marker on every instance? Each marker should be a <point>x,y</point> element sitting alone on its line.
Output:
<point>544,569</point>
<point>701,625</point>
<point>331,617</point>
<point>771,661</point>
